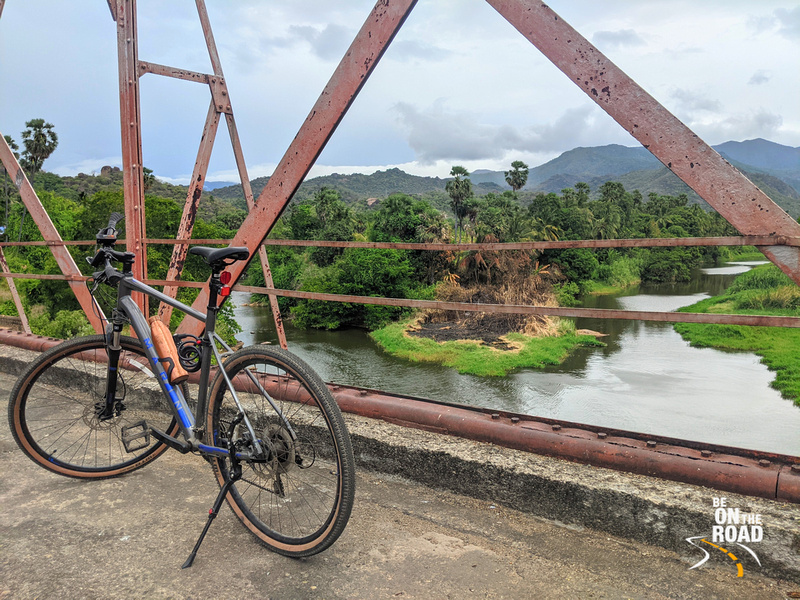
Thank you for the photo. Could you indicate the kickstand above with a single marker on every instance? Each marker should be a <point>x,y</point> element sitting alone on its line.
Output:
<point>233,476</point>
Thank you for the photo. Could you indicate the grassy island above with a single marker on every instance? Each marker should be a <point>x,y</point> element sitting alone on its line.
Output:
<point>764,290</point>
<point>480,357</point>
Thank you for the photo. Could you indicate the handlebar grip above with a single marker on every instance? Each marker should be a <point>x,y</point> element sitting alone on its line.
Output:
<point>113,219</point>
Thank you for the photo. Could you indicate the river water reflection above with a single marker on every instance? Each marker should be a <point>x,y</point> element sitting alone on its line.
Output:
<point>646,378</point>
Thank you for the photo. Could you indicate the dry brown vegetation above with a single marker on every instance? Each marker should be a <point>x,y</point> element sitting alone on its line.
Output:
<point>510,278</point>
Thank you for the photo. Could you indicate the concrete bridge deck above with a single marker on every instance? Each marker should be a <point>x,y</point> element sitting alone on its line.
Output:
<point>497,524</point>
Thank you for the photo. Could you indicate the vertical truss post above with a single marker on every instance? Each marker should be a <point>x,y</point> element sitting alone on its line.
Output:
<point>131,128</point>
<point>14,294</point>
<point>358,63</point>
<point>715,180</point>
<point>64,259</point>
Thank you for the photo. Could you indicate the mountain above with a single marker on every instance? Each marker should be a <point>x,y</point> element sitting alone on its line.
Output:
<point>773,167</point>
<point>358,187</point>
<point>762,154</point>
<point>213,185</point>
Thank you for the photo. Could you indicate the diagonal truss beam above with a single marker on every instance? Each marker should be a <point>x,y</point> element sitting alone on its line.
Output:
<point>715,180</point>
<point>64,259</point>
<point>358,63</point>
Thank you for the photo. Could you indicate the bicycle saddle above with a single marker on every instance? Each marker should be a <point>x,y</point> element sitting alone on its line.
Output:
<point>221,256</point>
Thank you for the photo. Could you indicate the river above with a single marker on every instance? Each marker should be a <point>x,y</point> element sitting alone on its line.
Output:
<point>646,378</point>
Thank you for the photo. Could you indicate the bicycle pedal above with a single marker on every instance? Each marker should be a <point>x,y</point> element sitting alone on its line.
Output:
<point>170,441</point>
<point>136,437</point>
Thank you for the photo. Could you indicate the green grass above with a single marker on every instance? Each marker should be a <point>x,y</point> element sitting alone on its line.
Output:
<point>746,255</point>
<point>778,347</point>
<point>477,359</point>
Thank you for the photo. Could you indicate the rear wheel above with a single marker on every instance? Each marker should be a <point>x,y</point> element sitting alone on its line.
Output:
<point>55,406</point>
<point>296,499</point>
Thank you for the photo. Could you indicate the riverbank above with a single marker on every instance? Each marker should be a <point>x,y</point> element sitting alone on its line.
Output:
<point>493,357</point>
<point>762,291</point>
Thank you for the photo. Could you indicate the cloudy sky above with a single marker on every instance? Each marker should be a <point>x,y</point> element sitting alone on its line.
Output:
<point>457,86</point>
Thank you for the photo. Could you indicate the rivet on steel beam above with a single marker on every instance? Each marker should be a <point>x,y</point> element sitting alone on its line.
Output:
<point>602,435</point>
<point>796,468</point>
<point>363,392</point>
<point>515,419</point>
<point>764,463</point>
<point>651,444</point>
<point>496,416</point>
<point>706,453</point>
<point>556,427</point>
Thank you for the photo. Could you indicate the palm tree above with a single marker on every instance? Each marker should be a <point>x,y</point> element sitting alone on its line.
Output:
<point>459,190</point>
<point>517,177</point>
<point>40,142</point>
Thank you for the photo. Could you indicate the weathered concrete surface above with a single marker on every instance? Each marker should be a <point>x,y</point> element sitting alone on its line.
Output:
<point>127,537</point>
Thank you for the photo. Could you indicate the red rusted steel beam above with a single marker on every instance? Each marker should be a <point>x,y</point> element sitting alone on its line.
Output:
<point>544,245</point>
<point>745,240</point>
<point>194,242</point>
<point>81,278</point>
<point>48,243</point>
<point>190,207</point>
<point>131,129</point>
<point>2,4</point>
<point>14,294</point>
<point>359,61</point>
<point>552,311</point>
<point>715,180</point>
<point>746,472</point>
<point>156,69</point>
<point>49,233</point>
<point>596,313</point>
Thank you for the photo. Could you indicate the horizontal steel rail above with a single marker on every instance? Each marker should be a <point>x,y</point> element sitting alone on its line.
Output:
<point>551,311</point>
<point>664,317</point>
<point>741,240</point>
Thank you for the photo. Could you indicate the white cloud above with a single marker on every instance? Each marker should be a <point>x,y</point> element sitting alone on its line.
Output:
<point>617,39</point>
<point>328,43</point>
<point>89,166</point>
<point>760,77</point>
<point>760,123</point>
<point>789,23</point>
<point>691,102</point>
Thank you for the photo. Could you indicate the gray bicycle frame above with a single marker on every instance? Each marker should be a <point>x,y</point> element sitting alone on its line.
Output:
<point>183,413</point>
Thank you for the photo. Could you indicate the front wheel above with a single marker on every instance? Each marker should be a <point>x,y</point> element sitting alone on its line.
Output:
<point>297,497</point>
<point>54,409</point>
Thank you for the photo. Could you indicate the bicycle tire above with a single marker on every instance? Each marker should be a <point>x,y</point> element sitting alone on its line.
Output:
<point>52,411</point>
<point>298,502</point>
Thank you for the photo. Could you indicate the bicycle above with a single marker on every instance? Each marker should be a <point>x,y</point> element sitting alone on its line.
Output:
<point>108,404</point>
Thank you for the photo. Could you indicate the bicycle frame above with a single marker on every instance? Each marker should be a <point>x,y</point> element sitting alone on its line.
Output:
<point>183,414</point>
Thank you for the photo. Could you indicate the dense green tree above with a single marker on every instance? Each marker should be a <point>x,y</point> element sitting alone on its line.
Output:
<point>6,180</point>
<point>148,179</point>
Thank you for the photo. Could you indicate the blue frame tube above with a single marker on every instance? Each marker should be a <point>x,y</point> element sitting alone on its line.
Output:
<point>182,411</point>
